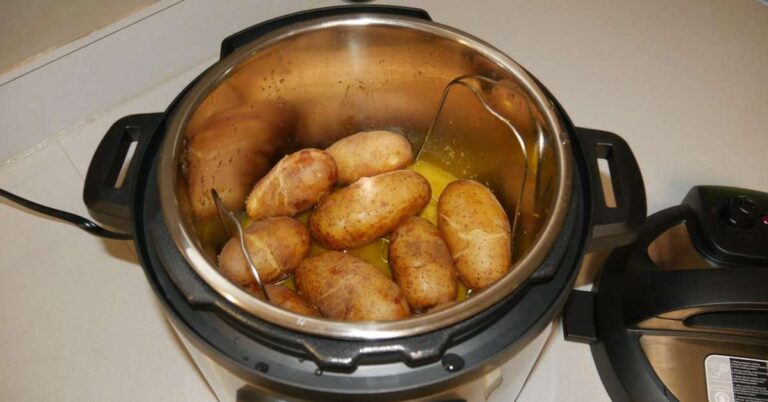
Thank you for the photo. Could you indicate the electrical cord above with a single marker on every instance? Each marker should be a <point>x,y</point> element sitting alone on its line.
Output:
<point>82,223</point>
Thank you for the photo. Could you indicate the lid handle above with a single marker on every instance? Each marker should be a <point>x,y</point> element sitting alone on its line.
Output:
<point>672,300</point>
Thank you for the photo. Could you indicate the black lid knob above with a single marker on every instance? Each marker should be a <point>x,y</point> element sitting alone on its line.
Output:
<point>741,212</point>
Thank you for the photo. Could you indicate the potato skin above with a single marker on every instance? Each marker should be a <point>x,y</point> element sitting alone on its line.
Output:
<point>287,299</point>
<point>367,209</point>
<point>276,246</point>
<point>476,230</point>
<point>229,155</point>
<point>348,288</point>
<point>370,153</point>
<point>295,184</point>
<point>421,264</point>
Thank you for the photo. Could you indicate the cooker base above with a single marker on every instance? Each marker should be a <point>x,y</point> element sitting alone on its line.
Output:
<point>502,384</point>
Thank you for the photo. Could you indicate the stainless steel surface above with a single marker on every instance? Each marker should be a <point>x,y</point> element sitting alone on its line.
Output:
<point>223,211</point>
<point>674,249</point>
<point>346,74</point>
<point>679,361</point>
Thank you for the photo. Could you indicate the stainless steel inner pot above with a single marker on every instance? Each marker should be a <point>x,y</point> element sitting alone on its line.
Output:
<point>335,76</point>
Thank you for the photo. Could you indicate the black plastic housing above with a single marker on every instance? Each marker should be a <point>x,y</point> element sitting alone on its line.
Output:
<point>108,203</point>
<point>726,302</point>
<point>731,224</point>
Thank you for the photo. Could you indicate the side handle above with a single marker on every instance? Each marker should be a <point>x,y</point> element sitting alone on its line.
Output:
<point>612,226</point>
<point>579,317</point>
<point>250,34</point>
<point>108,200</point>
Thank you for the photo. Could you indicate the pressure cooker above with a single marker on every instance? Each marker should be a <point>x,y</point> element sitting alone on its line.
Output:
<point>330,73</point>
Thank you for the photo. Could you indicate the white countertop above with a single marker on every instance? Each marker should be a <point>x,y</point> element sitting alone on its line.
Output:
<point>683,82</point>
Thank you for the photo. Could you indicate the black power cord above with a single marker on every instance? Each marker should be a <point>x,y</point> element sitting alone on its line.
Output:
<point>82,223</point>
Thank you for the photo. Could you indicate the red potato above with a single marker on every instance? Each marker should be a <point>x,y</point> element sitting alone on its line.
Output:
<point>476,229</point>
<point>348,288</point>
<point>370,153</point>
<point>294,185</point>
<point>276,247</point>
<point>369,208</point>
<point>421,264</point>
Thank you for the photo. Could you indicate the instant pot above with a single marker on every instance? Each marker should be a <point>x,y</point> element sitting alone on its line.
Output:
<point>330,73</point>
<point>681,314</point>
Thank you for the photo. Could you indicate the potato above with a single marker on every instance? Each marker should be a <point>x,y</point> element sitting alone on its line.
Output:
<point>296,183</point>
<point>421,264</point>
<point>276,246</point>
<point>229,155</point>
<point>370,153</point>
<point>476,230</point>
<point>369,208</point>
<point>286,298</point>
<point>442,306</point>
<point>345,287</point>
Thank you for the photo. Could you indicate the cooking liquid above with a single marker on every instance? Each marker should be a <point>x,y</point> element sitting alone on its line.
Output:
<point>376,252</point>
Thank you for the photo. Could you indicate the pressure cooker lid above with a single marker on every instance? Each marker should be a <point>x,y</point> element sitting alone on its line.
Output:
<point>682,314</point>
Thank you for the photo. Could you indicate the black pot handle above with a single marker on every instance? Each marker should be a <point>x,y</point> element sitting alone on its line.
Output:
<point>108,203</point>
<point>247,35</point>
<point>579,317</point>
<point>612,226</point>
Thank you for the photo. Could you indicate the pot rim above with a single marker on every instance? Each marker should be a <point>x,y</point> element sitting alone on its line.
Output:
<point>186,241</point>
